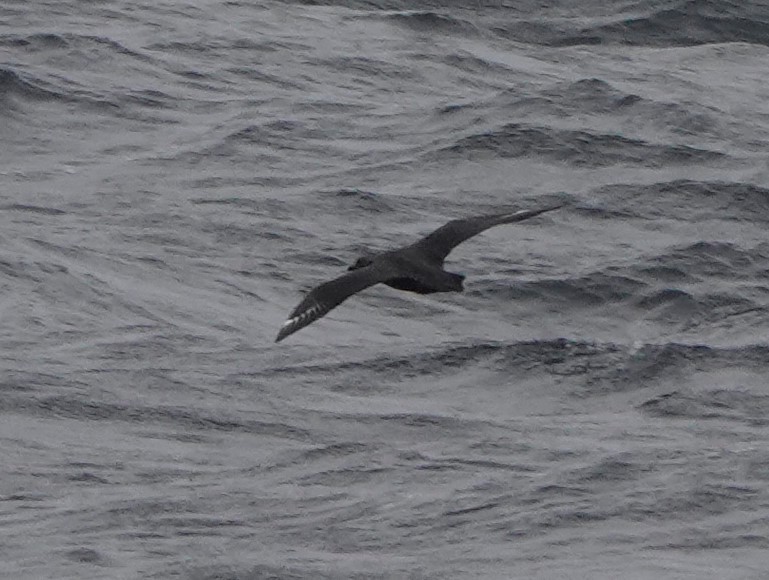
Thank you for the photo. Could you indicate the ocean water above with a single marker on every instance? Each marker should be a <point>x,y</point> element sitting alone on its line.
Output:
<point>174,176</point>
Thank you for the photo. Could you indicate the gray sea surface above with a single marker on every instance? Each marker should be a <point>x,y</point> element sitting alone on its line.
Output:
<point>175,176</point>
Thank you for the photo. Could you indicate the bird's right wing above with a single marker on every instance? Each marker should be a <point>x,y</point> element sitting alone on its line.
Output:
<point>439,243</point>
<point>322,299</point>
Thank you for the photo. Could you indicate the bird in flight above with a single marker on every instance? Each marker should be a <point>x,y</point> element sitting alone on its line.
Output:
<point>415,268</point>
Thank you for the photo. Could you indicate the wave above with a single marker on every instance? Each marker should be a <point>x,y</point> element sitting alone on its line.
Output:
<point>594,289</point>
<point>687,200</point>
<point>691,23</point>
<point>634,113</point>
<point>73,70</point>
<point>428,21</point>
<point>686,287</point>
<point>724,260</point>
<point>611,362</point>
<point>358,68</point>
<point>353,200</point>
<point>19,85</point>
<point>72,46</point>
<point>73,407</point>
<point>575,147</point>
<point>731,404</point>
<point>34,209</point>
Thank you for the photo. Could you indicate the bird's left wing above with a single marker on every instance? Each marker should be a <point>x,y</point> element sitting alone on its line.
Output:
<point>437,245</point>
<point>322,299</point>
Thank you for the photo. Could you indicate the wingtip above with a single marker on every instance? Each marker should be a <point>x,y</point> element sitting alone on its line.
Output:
<point>536,212</point>
<point>284,331</point>
<point>523,214</point>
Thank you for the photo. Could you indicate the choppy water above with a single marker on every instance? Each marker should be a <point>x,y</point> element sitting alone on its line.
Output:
<point>175,175</point>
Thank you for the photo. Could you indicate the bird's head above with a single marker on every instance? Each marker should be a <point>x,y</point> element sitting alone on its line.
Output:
<point>361,262</point>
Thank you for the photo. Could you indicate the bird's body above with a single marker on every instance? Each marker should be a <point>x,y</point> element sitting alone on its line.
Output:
<point>414,268</point>
<point>413,272</point>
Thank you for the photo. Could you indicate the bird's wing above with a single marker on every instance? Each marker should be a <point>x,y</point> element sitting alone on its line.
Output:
<point>439,243</point>
<point>322,299</point>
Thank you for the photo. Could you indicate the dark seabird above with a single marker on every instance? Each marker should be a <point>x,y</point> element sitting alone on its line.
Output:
<point>415,268</point>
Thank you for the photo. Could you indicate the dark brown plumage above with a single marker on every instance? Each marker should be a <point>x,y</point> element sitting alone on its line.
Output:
<point>415,268</point>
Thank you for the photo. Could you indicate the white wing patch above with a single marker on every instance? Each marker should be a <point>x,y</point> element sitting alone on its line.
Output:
<point>309,314</point>
<point>301,320</point>
<point>515,213</point>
